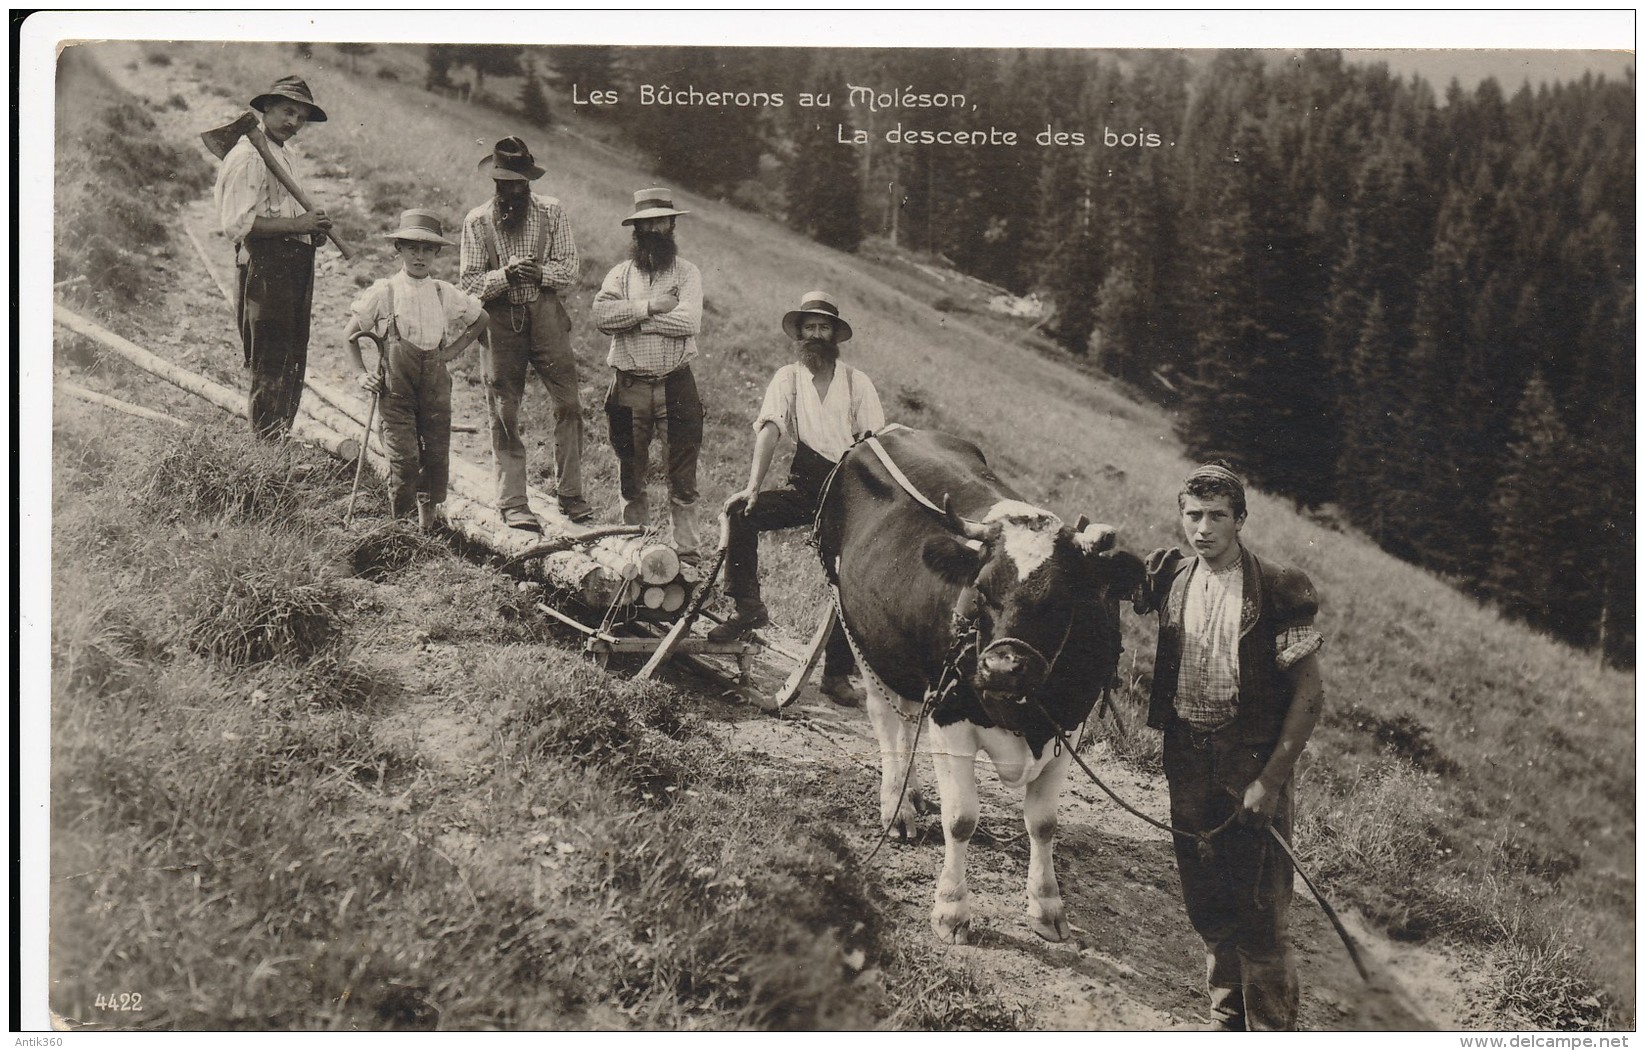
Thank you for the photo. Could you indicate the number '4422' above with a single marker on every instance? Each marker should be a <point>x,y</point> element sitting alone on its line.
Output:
<point>119,1002</point>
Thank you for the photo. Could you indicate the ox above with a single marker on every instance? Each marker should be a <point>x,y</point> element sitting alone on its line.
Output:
<point>987,606</point>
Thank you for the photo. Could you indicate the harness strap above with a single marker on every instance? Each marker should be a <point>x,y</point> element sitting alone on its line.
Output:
<point>902,479</point>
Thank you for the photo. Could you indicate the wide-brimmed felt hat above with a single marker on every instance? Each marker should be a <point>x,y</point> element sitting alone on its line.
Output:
<point>653,203</point>
<point>511,159</point>
<point>820,304</point>
<point>418,225</point>
<point>295,89</point>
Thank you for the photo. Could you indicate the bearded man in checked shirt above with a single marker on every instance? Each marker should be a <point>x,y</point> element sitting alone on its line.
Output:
<point>517,256</point>
<point>1237,691</point>
<point>652,305</point>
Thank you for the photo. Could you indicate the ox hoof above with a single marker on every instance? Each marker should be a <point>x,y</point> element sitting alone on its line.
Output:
<point>1049,922</point>
<point>951,919</point>
<point>952,934</point>
<point>904,821</point>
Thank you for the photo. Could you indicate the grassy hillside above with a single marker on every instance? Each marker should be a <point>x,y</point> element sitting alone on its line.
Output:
<point>1471,780</point>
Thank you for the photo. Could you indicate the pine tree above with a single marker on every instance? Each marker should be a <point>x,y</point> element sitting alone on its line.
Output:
<point>1367,479</point>
<point>1533,567</point>
<point>824,191</point>
<point>534,102</point>
<point>715,147</point>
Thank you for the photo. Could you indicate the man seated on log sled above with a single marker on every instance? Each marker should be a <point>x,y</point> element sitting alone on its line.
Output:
<point>424,324</point>
<point>823,405</point>
<point>274,242</point>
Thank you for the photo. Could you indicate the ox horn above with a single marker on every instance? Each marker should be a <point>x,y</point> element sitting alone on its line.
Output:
<point>1095,537</point>
<point>963,526</point>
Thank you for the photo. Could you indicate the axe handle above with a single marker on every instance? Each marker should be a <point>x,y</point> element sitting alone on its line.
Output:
<point>260,143</point>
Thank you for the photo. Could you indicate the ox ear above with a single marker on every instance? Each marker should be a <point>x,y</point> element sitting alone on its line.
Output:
<point>954,560</point>
<point>1116,574</point>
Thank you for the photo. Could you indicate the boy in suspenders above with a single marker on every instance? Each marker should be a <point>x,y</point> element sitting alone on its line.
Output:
<point>424,324</point>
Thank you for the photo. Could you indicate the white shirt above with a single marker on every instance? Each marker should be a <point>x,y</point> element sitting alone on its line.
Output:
<point>427,311</point>
<point>246,189</point>
<point>829,427</point>
<point>1208,681</point>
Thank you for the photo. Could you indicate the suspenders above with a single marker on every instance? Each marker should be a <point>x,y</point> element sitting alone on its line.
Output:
<point>794,401</point>
<point>493,246</point>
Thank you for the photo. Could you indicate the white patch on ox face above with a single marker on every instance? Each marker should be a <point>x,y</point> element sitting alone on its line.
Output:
<point>1029,534</point>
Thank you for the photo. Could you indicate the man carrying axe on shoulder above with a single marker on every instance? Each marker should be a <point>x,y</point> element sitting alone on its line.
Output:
<point>263,210</point>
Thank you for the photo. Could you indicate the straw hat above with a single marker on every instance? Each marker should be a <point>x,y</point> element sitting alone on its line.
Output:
<point>653,203</point>
<point>418,225</point>
<point>816,303</point>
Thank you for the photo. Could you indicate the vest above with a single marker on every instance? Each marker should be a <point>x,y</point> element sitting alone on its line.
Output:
<point>1277,597</point>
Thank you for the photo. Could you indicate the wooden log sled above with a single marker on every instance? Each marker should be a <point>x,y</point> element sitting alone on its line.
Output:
<point>603,568</point>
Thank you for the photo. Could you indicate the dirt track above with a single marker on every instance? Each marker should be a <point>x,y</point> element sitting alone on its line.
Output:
<point>1135,964</point>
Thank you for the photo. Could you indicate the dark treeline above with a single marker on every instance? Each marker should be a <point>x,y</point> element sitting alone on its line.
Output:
<point>1418,309</point>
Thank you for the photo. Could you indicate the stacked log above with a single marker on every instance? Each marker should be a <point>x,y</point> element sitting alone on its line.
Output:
<point>633,572</point>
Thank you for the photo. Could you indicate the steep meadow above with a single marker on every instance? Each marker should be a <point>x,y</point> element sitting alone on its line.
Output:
<point>1471,789</point>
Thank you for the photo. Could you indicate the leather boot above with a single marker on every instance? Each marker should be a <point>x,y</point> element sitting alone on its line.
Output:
<point>839,689</point>
<point>748,617</point>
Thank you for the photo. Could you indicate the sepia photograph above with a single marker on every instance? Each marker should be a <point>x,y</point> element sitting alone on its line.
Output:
<point>706,522</point>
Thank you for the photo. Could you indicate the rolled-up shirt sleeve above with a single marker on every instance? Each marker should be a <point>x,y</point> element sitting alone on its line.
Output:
<point>869,416</point>
<point>1293,644</point>
<point>240,192</point>
<point>779,395</point>
<point>368,309</point>
<point>462,310</point>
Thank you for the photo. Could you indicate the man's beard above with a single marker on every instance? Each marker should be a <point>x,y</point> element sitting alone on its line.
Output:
<point>511,211</point>
<point>819,354</point>
<point>652,252</point>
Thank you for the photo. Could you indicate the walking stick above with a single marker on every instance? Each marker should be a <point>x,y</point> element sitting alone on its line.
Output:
<point>371,415</point>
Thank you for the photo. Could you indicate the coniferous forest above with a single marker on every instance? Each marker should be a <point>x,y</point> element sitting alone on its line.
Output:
<point>1409,303</point>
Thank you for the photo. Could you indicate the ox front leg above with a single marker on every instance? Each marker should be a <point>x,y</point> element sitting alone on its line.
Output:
<point>955,755</point>
<point>896,739</point>
<point>1039,813</point>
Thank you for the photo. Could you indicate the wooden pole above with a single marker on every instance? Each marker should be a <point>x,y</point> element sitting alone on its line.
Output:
<point>117,405</point>
<point>219,395</point>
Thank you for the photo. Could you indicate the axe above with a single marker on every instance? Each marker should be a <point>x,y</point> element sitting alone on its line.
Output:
<point>220,140</point>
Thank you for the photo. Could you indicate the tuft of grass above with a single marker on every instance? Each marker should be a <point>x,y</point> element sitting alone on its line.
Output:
<point>209,473</point>
<point>391,547</point>
<point>247,616</point>
<point>1542,984</point>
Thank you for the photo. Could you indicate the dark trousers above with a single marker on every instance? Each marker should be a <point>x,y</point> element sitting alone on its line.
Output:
<point>535,336</point>
<point>795,504</point>
<point>1238,889</point>
<point>415,412</point>
<point>272,307</point>
<point>634,406</point>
